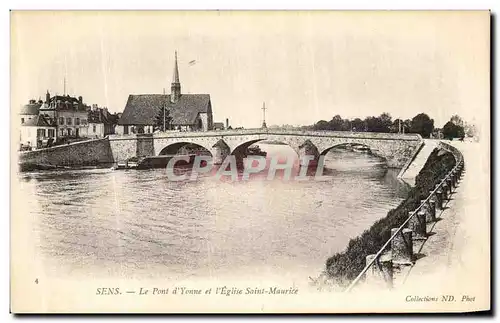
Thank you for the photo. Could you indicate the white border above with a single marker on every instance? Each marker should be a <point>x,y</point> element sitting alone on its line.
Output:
<point>493,5</point>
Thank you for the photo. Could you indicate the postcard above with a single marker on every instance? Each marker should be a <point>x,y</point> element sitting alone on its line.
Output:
<point>250,161</point>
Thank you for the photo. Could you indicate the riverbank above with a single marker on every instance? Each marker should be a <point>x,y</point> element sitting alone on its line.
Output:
<point>457,258</point>
<point>343,267</point>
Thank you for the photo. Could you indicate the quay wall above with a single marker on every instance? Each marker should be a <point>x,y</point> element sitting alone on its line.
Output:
<point>82,153</point>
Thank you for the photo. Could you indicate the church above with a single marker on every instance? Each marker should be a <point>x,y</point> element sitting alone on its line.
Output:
<point>147,113</point>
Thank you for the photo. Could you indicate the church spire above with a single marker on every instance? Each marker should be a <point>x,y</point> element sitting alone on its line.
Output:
<point>176,85</point>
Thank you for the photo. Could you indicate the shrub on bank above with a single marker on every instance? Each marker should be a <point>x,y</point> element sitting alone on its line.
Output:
<point>343,267</point>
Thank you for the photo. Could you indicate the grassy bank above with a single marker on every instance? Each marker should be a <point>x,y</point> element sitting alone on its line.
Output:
<point>343,267</point>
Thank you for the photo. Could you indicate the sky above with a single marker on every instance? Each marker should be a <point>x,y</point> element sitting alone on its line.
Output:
<point>306,66</point>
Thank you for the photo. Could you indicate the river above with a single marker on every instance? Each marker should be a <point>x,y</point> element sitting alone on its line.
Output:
<point>136,224</point>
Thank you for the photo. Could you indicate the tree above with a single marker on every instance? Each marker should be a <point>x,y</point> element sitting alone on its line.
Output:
<point>456,120</point>
<point>163,119</point>
<point>358,125</point>
<point>406,126</point>
<point>451,130</point>
<point>336,123</point>
<point>321,125</point>
<point>397,126</point>
<point>379,124</point>
<point>385,122</point>
<point>422,125</point>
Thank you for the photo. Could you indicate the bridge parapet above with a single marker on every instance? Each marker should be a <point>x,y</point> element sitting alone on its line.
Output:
<point>395,148</point>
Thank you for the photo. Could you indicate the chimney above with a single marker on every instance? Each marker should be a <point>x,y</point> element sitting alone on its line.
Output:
<point>80,99</point>
<point>47,97</point>
<point>227,123</point>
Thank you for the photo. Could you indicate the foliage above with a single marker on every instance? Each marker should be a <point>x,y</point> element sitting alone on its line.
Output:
<point>163,121</point>
<point>422,125</point>
<point>345,266</point>
<point>452,130</point>
<point>381,123</point>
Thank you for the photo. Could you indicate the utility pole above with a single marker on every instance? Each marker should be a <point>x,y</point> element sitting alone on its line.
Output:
<point>264,112</point>
<point>164,108</point>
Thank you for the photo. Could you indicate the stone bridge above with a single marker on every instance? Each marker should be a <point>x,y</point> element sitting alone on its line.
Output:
<point>396,149</point>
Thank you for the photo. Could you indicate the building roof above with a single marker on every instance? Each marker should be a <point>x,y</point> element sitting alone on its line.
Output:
<point>97,116</point>
<point>218,125</point>
<point>66,102</point>
<point>30,109</point>
<point>144,109</point>
<point>37,121</point>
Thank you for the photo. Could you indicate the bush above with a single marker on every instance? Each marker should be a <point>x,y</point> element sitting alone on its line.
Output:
<point>345,266</point>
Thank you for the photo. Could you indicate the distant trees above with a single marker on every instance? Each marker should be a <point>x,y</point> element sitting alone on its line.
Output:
<point>421,124</point>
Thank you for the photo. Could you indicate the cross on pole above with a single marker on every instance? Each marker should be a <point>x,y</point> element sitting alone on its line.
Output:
<point>264,113</point>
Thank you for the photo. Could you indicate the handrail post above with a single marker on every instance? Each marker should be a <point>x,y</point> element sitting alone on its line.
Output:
<point>402,246</point>
<point>444,191</point>
<point>417,225</point>
<point>432,209</point>
<point>380,273</point>
<point>449,183</point>
<point>439,198</point>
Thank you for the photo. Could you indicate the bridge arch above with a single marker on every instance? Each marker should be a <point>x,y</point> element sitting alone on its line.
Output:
<point>176,147</point>
<point>240,149</point>
<point>356,146</point>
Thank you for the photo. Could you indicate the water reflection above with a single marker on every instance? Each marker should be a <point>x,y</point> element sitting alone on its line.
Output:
<point>141,224</point>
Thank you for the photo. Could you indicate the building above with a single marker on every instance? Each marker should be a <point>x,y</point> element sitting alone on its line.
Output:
<point>100,122</point>
<point>144,113</point>
<point>38,132</point>
<point>218,126</point>
<point>70,114</point>
<point>29,111</point>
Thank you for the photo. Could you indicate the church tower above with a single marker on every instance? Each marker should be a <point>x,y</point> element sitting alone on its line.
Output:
<point>175,90</point>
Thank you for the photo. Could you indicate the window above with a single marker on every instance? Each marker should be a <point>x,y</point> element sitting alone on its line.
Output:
<point>125,130</point>
<point>68,121</point>
<point>93,128</point>
<point>61,120</point>
<point>40,133</point>
<point>52,133</point>
<point>62,132</point>
<point>77,121</point>
<point>69,131</point>
<point>84,121</point>
<point>22,120</point>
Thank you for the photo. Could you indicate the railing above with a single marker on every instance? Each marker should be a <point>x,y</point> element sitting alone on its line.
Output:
<point>453,174</point>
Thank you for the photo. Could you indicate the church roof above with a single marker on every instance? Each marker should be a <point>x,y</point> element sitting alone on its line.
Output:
<point>143,109</point>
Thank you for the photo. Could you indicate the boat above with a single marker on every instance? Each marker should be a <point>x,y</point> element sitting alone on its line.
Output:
<point>361,149</point>
<point>27,167</point>
<point>127,164</point>
<point>151,162</point>
<point>255,151</point>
